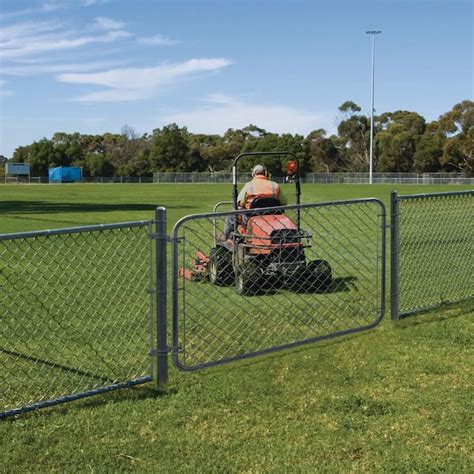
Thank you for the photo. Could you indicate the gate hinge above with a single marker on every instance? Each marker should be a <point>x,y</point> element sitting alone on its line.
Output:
<point>166,238</point>
<point>154,352</point>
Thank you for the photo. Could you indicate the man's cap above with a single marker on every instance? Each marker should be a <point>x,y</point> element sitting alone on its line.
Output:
<point>259,170</point>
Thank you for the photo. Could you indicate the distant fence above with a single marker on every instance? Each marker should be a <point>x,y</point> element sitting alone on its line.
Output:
<point>224,177</point>
<point>389,178</point>
<point>432,251</point>
<point>218,177</point>
<point>86,179</point>
<point>323,178</point>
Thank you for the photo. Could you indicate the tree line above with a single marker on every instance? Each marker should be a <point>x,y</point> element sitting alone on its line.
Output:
<point>404,142</point>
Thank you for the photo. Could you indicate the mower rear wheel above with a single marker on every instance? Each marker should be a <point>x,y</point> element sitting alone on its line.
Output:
<point>318,276</point>
<point>245,284</point>
<point>248,279</point>
<point>220,267</point>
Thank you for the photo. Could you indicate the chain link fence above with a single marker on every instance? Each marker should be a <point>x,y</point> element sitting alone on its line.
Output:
<point>226,177</point>
<point>432,251</point>
<point>389,178</point>
<point>321,178</point>
<point>78,305</point>
<point>201,177</point>
<point>75,315</point>
<point>285,276</point>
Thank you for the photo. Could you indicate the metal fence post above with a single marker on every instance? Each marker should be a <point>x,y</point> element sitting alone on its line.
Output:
<point>394,256</point>
<point>161,293</point>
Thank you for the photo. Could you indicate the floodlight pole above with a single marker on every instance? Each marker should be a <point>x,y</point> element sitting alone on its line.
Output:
<point>373,34</point>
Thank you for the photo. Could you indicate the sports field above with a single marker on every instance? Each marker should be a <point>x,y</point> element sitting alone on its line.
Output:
<point>396,398</point>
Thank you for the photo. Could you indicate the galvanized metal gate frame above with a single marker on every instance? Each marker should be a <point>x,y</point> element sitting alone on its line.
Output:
<point>175,239</point>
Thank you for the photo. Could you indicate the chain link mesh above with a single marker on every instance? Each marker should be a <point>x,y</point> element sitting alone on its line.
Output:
<point>275,283</point>
<point>436,250</point>
<point>75,312</point>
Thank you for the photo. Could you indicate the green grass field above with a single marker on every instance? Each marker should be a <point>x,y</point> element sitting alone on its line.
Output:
<point>396,398</point>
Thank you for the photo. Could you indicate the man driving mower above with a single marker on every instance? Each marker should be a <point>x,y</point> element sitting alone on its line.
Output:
<point>260,187</point>
<point>264,248</point>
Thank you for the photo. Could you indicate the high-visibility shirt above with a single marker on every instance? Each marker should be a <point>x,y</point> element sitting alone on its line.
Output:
<point>260,187</point>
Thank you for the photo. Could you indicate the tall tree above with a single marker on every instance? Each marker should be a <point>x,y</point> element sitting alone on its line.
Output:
<point>353,138</point>
<point>3,163</point>
<point>21,154</point>
<point>398,139</point>
<point>211,151</point>
<point>458,126</point>
<point>429,150</point>
<point>68,150</point>
<point>99,165</point>
<point>322,153</point>
<point>169,149</point>
<point>41,155</point>
<point>403,143</point>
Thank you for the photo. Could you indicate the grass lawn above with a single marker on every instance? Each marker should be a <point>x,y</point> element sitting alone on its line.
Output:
<point>396,398</point>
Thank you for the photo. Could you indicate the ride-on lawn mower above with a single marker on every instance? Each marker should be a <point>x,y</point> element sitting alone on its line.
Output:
<point>265,251</point>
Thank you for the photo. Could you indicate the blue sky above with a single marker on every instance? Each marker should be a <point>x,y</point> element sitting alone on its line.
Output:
<point>93,66</point>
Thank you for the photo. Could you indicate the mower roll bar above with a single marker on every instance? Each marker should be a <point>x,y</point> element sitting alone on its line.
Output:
<point>265,153</point>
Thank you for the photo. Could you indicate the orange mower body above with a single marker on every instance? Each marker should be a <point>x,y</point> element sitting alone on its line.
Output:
<point>266,249</point>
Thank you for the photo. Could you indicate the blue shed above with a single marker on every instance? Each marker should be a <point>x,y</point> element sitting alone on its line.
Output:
<point>65,174</point>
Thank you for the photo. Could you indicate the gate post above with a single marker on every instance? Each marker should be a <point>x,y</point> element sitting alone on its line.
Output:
<point>161,293</point>
<point>394,256</point>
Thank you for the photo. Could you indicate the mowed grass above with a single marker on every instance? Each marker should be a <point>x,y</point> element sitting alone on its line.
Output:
<point>396,398</point>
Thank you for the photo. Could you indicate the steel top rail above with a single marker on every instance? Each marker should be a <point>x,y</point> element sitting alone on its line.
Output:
<point>269,209</point>
<point>436,195</point>
<point>73,230</point>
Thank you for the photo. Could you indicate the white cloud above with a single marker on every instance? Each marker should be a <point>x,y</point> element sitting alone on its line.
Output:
<point>12,14</point>
<point>114,95</point>
<point>4,92</point>
<point>33,38</point>
<point>50,6</point>
<point>89,3</point>
<point>18,33</point>
<point>158,40</point>
<point>108,23</point>
<point>35,68</point>
<point>46,7</point>
<point>222,112</point>
<point>129,84</point>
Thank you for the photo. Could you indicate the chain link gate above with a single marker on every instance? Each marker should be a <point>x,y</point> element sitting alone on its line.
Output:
<point>287,276</point>
<point>432,251</point>
<point>76,318</point>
